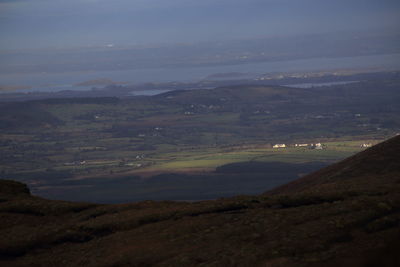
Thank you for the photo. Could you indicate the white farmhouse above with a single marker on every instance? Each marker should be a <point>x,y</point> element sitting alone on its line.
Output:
<point>279,146</point>
<point>301,145</point>
<point>318,146</point>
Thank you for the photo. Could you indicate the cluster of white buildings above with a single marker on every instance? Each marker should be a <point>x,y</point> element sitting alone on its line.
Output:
<point>314,146</point>
<point>279,146</point>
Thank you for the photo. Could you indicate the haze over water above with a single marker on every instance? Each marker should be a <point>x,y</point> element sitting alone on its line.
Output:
<point>68,80</point>
<point>51,45</point>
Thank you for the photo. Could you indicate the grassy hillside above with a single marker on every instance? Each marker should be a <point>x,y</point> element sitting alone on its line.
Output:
<point>347,214</point>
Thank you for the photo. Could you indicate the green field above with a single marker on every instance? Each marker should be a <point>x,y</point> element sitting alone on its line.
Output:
<point>55,141</point>
<point>209,159</point>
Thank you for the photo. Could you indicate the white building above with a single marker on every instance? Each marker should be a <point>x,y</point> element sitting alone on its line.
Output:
<point>366,145</point>
<point>301,145</point>
<point>279,146</point>
<point>318,146</point>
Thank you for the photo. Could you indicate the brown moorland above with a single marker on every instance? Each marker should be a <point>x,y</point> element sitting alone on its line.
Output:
<point>347,214</point>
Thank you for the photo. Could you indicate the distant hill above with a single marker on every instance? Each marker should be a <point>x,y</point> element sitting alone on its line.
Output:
<point>347,214</point>
<point>99,82</point>
<point>26,115</point>
<point>234,94</point>
<point>13,87</point>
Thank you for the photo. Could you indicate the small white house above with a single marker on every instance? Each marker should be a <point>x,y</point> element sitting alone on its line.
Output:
<point>279,146</point>
<point>301,145</point>
<point>318,146</point>
<point>366,145</point>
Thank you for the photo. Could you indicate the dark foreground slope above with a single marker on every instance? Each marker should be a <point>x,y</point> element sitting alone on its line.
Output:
<point>345,215</point>
<point>377,168</point>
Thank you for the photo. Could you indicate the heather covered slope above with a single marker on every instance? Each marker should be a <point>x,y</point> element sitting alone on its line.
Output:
<point>345,215</point>
<point>377,167</point>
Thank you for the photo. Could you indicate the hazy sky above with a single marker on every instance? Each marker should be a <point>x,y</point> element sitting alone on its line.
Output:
<point>64,23</point>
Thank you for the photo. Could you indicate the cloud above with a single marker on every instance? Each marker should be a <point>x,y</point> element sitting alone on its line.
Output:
<point>130,21</point>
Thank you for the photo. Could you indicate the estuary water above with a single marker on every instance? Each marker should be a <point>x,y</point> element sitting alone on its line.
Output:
<point>48,82</point>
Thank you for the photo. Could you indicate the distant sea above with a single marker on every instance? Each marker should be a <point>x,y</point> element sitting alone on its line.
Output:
<point>48,82</point>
